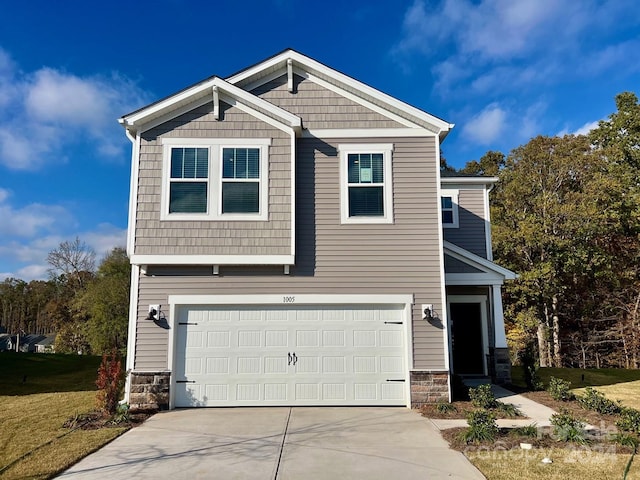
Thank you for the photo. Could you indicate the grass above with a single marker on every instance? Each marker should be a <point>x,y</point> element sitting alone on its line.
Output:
<point>628,393</point>
<point>576,463</point>
<point>27,373</point>
<point>57,388</point>
<point>592,377</point>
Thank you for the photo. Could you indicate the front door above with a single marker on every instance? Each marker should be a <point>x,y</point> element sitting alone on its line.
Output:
<point>467,337</point>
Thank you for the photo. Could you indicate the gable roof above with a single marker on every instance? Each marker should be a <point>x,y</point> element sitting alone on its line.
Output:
<point>238,84</point>
<point>477,262</point>
<point>203,92</point>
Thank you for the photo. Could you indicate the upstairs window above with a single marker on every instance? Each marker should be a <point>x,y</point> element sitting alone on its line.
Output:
<point>449,208</point>
<point>240,180</point>
<point>189,180</point>
<point>215,179</point>
<point>366,194</point>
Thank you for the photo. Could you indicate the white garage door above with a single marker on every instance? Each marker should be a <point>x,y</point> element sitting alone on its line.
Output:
<point>315,355</point>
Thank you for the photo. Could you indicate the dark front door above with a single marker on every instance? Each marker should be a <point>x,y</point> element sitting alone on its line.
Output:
<point>466,338</point>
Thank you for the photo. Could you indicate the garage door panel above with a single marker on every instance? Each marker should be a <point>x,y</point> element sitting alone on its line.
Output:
<point>311,355</point>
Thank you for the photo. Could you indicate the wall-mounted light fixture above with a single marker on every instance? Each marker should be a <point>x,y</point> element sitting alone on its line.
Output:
<point>154,312</point>
<point>427,311</point>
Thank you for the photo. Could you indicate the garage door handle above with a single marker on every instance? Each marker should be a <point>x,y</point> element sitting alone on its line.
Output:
<point>393,323</point>
<point>295,359</point>
<point>290,358</point>
<point>395,380</point>
<point>185,381</point>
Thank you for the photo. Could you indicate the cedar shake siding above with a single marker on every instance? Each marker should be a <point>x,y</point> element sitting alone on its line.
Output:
<point>332,258</point>
<point>213,237</point>
<point>319,107</point>
<point>470,234</point>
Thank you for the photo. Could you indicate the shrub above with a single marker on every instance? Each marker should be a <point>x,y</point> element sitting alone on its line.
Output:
<point>110,382</point>
<point>482,397</point>
<point>596,401</point>
<point>526,431</point>
<point>629,420</point>
<point>560,389</point>
<point>482,427</point>
<point>528,361</point>
<point>567,428</point>
<point>626,439</point>
<point>508,410</point>
<point>444,407</point>
<point>121,414</point>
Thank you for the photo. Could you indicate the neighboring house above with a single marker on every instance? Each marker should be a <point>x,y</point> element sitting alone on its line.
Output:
<point>24,342</point>
<point>46,345</point>
<point>5,342</point>
<point>292,243</point>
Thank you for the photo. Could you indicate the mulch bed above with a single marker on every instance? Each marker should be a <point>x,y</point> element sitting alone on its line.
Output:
<point>95,420</point>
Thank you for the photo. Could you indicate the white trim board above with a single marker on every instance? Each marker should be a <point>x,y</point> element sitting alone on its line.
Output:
<point>212,259</point>
<point>291,299</point>
<point>476,261</point>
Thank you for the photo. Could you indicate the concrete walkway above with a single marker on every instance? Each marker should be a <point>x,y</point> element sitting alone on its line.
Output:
<point>533,411</point>
<point>279,444</point>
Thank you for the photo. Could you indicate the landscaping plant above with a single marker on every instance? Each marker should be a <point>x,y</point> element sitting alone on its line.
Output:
<point>629,420</point>
<point>482,397</point>
<point>482,427</point>
<point>596,401</point>
<point>567,428</point>
<point>560,389</point>
<point>110,382</point>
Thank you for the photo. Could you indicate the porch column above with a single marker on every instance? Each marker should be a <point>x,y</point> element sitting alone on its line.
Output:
<point>498,317</point>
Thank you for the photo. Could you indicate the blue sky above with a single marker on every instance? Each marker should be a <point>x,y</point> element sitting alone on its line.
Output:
<point>502,70</point>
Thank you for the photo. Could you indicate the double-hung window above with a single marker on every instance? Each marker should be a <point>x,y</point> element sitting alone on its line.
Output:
<point>366,193</point>
<point>449,208</point>
<point>215,179</point>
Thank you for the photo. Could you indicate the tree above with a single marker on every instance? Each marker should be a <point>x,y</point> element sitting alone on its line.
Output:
<point>75,260</point>
<point>106,301</point>
<point>490,164</point>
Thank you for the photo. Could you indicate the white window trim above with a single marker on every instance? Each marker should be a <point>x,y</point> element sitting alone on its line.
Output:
<point>454,194</point>
<point>386,150</point>
<point>214,181</point>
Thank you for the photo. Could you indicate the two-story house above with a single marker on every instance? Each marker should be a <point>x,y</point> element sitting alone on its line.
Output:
<point>293,243</point>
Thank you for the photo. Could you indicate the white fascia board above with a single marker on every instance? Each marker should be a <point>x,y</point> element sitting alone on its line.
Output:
<point>477,261</point>
<point>314,66</point>
<point>133,190</point>
<point>292,299</point>
<point>201,91</point>
<point>212,259</point>
<point>469,180</point>
<point>366,132</point>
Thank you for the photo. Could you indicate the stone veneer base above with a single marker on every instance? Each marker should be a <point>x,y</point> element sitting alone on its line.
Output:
<point>149,390</point>
<point>429,387</point>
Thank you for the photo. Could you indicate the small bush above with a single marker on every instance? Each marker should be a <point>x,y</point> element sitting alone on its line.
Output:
<point>482,397</point>
<point>629,420</point>
<point>596,401</point>
<point>627,440</point>
<point>567,428</point>
<point>482,427</point>
<point>121,414</point>
<point>508,410</point>
<point>110,382</point>
<point>444,407</point>
<point>560,389</point>
<point>526,431</point>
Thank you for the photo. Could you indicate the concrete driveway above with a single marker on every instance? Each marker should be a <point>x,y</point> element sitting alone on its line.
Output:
<point>279,443</point>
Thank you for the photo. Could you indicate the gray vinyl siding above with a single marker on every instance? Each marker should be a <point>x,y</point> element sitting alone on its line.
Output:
<point>453,265</point>
<point>470,234</point>
<point>319,107</point>
<point>331,258</point>
<point>156,237</point>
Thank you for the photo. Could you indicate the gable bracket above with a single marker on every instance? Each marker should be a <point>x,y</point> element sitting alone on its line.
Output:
<point>216,103</point>
<point>290,75</point>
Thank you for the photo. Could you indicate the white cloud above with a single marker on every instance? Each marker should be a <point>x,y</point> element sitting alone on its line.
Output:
<point>46,110</point>
<point>31,220</point>
<point>504,44</point>
<point>583,130</point>
<point>33,272</point>
<point>485,127</point>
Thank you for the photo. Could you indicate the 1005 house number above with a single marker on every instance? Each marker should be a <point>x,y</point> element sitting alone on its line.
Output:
<point>288,299</point>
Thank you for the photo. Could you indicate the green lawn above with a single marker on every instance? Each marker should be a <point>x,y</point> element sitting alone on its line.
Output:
<point>56,388</point>
<point>590,377</point>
